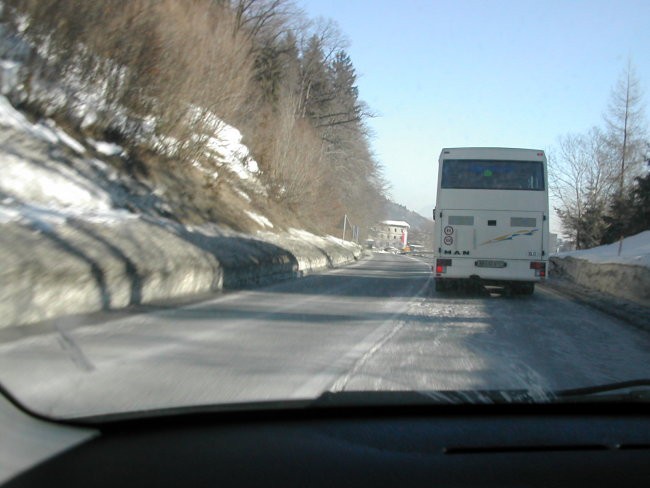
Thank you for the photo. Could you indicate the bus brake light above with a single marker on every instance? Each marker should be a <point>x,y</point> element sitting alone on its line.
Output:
<point>539,267</point>
<point>441,265</point>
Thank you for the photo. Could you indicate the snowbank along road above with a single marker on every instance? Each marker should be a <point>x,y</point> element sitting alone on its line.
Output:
<point>372,325</point>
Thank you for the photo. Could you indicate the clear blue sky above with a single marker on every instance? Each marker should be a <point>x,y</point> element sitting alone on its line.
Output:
<point>483,73</point>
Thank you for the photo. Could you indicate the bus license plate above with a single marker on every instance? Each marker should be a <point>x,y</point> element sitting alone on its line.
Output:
<point>487,263</point>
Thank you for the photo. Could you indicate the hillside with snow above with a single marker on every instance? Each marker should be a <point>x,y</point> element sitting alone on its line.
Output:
<point>87,224</point>
<point>79,233</point>
<point>150,157</point>
<point>49,174</point>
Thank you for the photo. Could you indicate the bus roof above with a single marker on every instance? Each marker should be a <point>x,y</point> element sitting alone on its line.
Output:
<point>495,152</point>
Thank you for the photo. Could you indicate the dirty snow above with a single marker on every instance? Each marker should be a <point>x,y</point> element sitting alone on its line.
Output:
<point>227,148</point>
<point>243,194</point>
<point>211,173</point>
<point>57,186</point>
<point>8,75</point>
<point>10,117</point>
<point>635,251</point>
<point>260,219</point>
<point>318,240</point>
<point>49,191</point>
<point>106,148</point>
<point>44,189</point>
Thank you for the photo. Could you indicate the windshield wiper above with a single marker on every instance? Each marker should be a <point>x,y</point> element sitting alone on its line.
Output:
<point>623,391</point>
<point>631,390</point>
<point>365,398</point>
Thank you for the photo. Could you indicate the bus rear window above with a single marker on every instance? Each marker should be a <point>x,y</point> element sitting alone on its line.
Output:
<point>492,175</point>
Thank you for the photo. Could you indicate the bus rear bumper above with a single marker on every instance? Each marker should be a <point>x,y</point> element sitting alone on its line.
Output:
<point>486,271</point>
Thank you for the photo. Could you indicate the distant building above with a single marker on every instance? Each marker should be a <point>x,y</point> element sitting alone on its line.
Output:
<point>391,233</point>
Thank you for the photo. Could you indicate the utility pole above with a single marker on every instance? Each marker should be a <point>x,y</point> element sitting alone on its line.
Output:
<point>345,221</point>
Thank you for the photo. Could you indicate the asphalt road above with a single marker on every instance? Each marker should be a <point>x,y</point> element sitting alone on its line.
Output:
<point>373,325</point>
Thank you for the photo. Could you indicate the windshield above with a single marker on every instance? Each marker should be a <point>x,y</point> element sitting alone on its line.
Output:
<point>226,203</point>
<point>492,175</point>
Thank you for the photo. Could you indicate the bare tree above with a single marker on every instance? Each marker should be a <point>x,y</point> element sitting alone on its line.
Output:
<point>626,127</point>
<point>626,138</point>
<point>581,178</point>
<point>263,19</point>
<point>162,75</point>
<point>593,172</point>
<point>291,153</point>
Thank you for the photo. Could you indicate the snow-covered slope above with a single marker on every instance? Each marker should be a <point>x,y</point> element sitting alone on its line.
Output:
<point>634,251</point>
<point>40,183</point>
<point>77,235</point>
<point>84,226</point>
<point>42,187</point>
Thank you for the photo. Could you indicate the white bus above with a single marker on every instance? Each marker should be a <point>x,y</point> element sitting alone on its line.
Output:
<point>491,218</point>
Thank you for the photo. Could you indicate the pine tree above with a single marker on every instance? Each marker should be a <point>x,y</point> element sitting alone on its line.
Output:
<point>641,211</point>
<point>630,213</point>
<point>315,84</point>
<point>345,107</point>
<point>277,68</point>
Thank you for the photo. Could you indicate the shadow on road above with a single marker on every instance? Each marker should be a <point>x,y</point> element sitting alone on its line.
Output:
<point>245,313</point>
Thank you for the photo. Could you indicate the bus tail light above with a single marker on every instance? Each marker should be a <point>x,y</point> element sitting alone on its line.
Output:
<point>539,267</point>
<point>441,265</point>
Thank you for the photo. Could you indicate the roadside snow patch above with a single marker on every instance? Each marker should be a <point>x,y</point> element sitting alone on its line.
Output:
<point>8,214</point>
<point>320,240</point>
<point>44,218</point>
<point>57,187</point>
<point>626,276</point>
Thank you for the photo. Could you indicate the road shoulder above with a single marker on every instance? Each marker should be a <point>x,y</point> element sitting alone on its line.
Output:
<point>630,312</point>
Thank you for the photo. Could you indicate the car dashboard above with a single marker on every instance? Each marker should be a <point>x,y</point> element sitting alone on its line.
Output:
<point>394,445</point>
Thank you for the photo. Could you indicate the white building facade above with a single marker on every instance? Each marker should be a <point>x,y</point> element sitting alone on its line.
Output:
<point>391,233</point>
